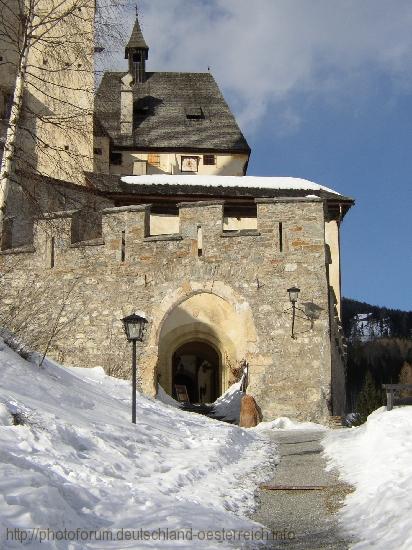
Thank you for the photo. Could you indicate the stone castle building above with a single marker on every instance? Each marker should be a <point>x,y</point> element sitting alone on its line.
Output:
<point>168,223</point>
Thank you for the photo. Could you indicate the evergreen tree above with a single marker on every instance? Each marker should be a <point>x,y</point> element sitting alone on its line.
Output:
<point>369,399</point>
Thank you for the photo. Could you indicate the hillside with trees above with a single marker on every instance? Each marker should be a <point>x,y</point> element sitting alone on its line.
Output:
<point>379,350</point>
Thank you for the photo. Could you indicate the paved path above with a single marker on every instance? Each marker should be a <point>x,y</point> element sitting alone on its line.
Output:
<point>307,515</point>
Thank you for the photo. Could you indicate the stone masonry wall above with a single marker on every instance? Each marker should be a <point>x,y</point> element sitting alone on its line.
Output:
<point>72,296</point>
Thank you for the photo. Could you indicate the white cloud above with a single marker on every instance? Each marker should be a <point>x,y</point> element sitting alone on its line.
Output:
<point>263,52</point>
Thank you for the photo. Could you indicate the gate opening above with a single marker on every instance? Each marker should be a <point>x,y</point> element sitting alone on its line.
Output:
<point>196,365</point>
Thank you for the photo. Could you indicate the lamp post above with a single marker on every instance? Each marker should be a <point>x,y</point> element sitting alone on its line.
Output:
<point>134,326</point>
<point>293,297</point>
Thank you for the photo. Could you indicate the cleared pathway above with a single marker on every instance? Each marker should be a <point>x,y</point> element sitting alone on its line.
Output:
<point>302,519</point>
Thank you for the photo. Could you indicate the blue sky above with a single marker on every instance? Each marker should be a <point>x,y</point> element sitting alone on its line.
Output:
<point>322,89</point>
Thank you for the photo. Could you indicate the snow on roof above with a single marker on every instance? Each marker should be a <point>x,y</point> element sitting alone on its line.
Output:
<point>228,181</point>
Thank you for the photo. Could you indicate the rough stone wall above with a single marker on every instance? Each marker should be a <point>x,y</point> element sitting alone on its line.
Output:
<point>85,288</point>
<point>32,196</point>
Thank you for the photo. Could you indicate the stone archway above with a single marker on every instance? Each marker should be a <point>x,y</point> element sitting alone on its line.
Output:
<point>209,320</point>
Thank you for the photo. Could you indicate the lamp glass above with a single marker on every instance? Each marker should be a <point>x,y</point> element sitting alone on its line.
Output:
<point>134,327</point>
<point>293,294</point>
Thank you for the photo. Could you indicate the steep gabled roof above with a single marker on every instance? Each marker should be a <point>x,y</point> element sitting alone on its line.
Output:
<point>136,38</point>
<point>164,105</point>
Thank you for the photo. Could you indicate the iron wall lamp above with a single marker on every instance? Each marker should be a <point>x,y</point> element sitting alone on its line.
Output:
<point>311,311</point>
<point>293,297</point>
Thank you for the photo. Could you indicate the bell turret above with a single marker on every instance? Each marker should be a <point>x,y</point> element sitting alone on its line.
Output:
<point>137,52</point>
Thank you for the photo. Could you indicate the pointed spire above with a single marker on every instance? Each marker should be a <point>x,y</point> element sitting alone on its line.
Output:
<point>136,41</point>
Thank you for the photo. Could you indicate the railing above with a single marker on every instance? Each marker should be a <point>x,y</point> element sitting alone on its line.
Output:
<point>392,395</point>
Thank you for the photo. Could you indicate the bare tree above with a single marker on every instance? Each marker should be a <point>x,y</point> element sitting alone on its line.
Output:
<point>47,90</point>
<point>30,317</point>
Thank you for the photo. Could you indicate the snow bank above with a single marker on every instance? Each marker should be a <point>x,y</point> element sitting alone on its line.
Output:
<point>77,462</point>
<point>250,182</point>
<point>284,423</point>
<point>376,459</point>
<point>227,406</point>
<point>165,398</point>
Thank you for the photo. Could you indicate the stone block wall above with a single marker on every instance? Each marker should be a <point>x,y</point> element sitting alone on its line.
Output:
<point>85,288</point>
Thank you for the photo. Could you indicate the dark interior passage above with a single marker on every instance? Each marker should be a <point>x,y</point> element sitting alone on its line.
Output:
<point>196,366</point>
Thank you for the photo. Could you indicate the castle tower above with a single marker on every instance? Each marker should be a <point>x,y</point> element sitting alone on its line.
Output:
<point>137,53</point>
<point>55,136</point>
<point>150,122</point>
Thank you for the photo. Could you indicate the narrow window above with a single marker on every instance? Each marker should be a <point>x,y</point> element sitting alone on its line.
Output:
<point>97,150</point>
<point>280,237</point>
<point>199,241</point>
<point>8,103</point>
<point>209,160</point>
<point>66,147</point>
<point>52,252</point>
<point>6,240</point>
<point>116,158</point>
<point>123,253</point>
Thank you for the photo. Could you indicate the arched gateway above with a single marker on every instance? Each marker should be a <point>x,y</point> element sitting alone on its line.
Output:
<point>201,339</point>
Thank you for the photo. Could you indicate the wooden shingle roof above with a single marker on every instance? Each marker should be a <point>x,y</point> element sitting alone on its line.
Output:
<point>136,40</point>
<point>162,119</point>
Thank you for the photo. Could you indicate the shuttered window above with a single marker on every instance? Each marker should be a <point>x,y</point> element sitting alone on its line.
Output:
<point>154,159</point>
<point>209,160</point>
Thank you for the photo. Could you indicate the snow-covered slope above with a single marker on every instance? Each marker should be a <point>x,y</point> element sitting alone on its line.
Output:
<point>377,459</point>
<point>77,462</point>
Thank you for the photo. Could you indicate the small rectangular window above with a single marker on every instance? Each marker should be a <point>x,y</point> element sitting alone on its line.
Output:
<point>116,158</point>
<point>97,150</point>
<point>209,160</point>
<point>66,148</point>
<point>194,113</point>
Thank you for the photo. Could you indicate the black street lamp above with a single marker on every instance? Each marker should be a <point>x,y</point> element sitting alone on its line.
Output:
<point>293,297</point>
<point>134,327</point>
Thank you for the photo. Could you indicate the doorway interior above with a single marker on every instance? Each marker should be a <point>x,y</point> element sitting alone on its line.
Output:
<point>196,365</point>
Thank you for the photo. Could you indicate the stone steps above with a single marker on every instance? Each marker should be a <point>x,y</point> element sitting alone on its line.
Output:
<point>336,422</point>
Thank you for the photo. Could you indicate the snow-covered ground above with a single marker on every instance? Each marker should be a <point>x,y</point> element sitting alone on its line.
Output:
<point>377,459</point>
<point>78,463</point>
<point>285,423</point>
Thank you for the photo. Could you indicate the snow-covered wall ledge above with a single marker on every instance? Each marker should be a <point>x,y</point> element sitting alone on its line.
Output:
<point>250,182</point>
